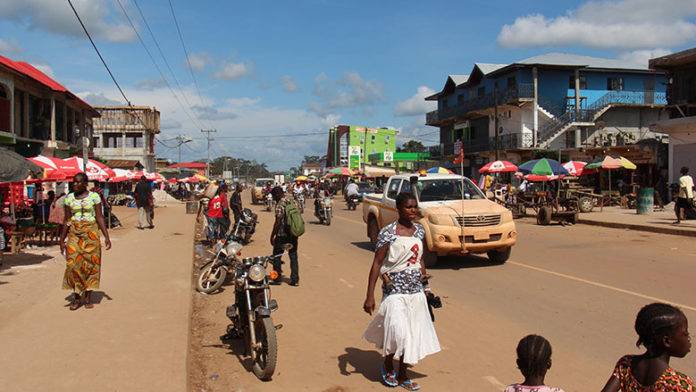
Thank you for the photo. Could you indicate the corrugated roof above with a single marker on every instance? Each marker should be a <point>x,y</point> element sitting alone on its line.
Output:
<point>568,59</point>
<point>487,68</point>
<point>459,79</point>
<point>122,163</point>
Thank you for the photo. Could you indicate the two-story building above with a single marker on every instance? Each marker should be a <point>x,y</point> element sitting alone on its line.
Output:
<point>127,133</point>
<point>351,145</point>
<point>554,101</point>
<point>681,105</point>
<point>39,115</point>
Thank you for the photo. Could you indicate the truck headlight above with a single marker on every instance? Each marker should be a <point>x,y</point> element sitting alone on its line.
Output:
<point>442,220</point>
<point>257,273</point>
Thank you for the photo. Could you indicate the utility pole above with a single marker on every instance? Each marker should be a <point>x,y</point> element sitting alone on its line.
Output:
<point>495,122</point>
<point>181,140</point>
<point>209,139</point>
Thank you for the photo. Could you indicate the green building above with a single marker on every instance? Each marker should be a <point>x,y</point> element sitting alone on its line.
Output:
<point>351,145</point>
<point>401,161</point>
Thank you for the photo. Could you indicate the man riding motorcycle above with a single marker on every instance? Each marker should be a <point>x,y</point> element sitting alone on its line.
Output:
<point>352,189</point>
<point>322,191</point>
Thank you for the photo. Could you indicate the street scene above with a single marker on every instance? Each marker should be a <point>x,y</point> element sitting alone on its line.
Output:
<point>251,197</point>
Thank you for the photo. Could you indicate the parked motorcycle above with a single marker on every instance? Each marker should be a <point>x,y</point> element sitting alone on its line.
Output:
<point>325,211</point>
<point>352,202</point>
<point>251,314</point>
<point>213,273</point>
<point>246,226</point>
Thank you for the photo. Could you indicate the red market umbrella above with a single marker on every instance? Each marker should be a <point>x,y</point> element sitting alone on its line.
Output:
<point>541,178</point>
<point>172,181</point>
<point>50,167</point>
<point>96,171</point>
<point>575,168</point>
<point>498,167</point>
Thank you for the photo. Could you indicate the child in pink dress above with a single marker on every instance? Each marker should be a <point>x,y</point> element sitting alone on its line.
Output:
<point>533,360</point>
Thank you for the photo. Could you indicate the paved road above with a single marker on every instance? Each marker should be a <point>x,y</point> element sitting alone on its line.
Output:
<point>579,286</point>
<point>135,339</point>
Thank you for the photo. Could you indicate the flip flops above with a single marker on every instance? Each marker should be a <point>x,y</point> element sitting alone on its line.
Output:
<point>409,385</point>
<point>389,379</point>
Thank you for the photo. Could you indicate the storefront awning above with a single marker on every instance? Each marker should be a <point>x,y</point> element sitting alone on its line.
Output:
<point>378,171</point>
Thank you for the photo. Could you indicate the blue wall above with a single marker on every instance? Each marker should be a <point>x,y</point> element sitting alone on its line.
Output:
<point>554,86</point>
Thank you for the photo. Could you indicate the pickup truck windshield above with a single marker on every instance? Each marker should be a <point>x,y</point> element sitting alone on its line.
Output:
<point>261,182</point>
<point>447,189</point>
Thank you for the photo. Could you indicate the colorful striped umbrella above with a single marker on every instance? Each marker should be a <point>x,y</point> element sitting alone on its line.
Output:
<point>543,167</point>
<point>439,170</point>
<point>610,163</point>
<point>498,167</point>
<point>341,171</point>
<point>575,168</point>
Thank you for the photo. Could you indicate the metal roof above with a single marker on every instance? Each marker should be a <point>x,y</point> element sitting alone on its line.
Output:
<point>574,60</point>
<point>459,79</point>
<point>674,60</point>
<point>487,68</point>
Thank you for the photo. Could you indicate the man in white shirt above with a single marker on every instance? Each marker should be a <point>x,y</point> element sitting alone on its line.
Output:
<point>685,196</point>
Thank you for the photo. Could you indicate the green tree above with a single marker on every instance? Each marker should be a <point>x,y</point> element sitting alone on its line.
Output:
<point>412,146</point>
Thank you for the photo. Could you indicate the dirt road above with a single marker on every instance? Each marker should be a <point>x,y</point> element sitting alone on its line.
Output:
<point>579,286</point>
<point>134,339</point>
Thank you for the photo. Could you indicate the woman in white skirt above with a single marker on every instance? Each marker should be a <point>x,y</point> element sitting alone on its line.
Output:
<point>402,326</point>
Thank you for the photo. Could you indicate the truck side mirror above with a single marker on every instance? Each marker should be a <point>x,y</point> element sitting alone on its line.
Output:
<point>413,180</point>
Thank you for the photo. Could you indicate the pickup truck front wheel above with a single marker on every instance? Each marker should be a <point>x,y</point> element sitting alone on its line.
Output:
<point>372,230</point>
<point>499,256</point>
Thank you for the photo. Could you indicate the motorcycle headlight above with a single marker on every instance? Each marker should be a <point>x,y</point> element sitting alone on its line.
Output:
<point>233,248</point>
<point>257,273</point>
<point>327,202</point>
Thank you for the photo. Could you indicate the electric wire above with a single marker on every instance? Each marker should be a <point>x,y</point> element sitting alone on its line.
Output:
<point>164,58</point>
<point>159,70</point>
<point>183,45</point>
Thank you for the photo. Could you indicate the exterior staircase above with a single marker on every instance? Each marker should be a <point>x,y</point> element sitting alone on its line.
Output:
<point>558,125</point>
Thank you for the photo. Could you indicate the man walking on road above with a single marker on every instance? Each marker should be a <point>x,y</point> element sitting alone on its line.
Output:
<point>280,236</point>
<point>685,198</point>
<point>144,202</point>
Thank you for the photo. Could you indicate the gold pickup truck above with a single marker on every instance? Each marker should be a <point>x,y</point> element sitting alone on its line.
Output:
<point>457,221</point>
<point>257,191</point>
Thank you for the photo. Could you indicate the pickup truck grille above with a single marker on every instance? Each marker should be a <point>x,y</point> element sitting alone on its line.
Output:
<point>478,220</point>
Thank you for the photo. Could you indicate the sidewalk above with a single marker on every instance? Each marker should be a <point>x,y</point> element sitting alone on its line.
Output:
<point>656,222</point>
<point>135,338</point>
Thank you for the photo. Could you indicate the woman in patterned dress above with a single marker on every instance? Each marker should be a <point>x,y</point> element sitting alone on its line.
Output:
<point>402,326</point>
<point>83,221</point>
<point>664,332</point>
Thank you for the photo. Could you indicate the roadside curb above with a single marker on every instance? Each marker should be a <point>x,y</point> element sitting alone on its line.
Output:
<point>646,228</point>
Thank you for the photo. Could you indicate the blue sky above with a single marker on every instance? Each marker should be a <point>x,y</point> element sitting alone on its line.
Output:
<point>285,67</point>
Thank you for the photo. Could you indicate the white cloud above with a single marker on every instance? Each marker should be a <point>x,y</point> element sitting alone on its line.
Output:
<point>151,84</point>
<point>199,61</point>
<point>349,92</point>
<point>9,47</point>
<point>289,84</point>
<point>254,120</point>
<point>98,99</point>
<point>243,101</point>
<point>416,105</point>
<point>641,57</point>
<point>233,71</point>
<point>619,25</point>
<point>209,113</point>
<point>57,17</point>
<point>45,68</point>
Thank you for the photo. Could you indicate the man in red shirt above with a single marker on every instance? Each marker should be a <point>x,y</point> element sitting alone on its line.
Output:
<point>218,212</point>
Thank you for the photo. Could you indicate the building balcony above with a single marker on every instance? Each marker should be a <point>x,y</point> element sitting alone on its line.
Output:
<point>516,93</point>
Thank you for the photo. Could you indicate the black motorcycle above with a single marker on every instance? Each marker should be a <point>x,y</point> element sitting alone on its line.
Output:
<point>245,226</point>
<point>352,202</point>
<point>251,314</point>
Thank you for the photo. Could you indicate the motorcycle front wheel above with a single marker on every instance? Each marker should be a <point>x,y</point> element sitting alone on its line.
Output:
<point>267,354</point>
<point>328,219</point>
<point>211,279</point>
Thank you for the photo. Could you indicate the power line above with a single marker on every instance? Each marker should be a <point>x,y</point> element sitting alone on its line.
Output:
<point>164,58</point>
<point>183,45</point>
<point>164,78</point>
<point>98,53</point>
<point>269,135</point>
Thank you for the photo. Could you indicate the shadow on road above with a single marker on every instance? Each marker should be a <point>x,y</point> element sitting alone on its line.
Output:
<point>364,245</point>
<point>458,262</point>
<point>22,259</point>
<point>367,363</point>
<point>96,297</point>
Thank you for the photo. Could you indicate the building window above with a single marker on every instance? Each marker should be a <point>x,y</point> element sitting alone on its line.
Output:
<point>95,142</point>
<point>445,104</point>
<point>460,98</point>
<point>481,91</point>
<point>511,82</point>
<point>582,80</point>
<point>615,84</point>
<point>113,140</point>
<point>134,140</point>
<point>373,138</point>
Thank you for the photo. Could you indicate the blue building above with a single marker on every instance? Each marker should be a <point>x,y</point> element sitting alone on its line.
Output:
<point>578,104</point>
